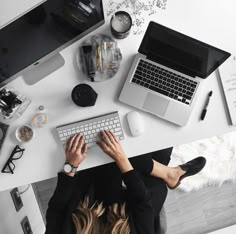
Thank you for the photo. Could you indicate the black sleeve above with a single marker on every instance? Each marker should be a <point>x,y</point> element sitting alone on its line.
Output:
<point>58,204</point>
<point>139,201</point>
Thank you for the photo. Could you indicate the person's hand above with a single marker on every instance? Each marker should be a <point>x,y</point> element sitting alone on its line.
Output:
<point>76,150</point>
<point>112,147</point>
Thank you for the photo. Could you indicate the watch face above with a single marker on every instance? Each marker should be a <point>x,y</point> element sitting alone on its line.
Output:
<point>67,168</point>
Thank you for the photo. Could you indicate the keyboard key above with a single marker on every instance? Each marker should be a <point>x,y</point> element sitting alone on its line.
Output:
<point>187,97</point>
<point>117,133</point>
<point>158,90</point>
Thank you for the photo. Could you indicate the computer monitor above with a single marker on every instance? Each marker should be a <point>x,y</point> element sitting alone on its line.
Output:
<point>30,45</point>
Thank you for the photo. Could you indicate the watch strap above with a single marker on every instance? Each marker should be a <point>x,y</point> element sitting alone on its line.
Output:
<point>74,169</point>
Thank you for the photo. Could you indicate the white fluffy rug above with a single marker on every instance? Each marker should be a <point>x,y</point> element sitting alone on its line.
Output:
<point>220,153</point>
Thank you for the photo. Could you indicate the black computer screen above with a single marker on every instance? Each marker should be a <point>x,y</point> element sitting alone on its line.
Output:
<point>43,30</point>
<point>180,52</point>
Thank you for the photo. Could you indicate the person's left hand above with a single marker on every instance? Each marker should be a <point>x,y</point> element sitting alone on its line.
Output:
<point>76,150</point>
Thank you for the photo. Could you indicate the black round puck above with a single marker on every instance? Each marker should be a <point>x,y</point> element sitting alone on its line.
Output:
<point>83,95</point>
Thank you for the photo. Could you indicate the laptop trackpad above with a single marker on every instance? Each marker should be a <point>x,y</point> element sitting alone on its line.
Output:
<point>155,104</point>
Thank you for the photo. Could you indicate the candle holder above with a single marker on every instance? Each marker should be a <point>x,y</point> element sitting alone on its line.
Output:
<point>121,23</point>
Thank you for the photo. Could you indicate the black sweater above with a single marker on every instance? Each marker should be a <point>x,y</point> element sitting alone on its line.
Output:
<point>65,199</point>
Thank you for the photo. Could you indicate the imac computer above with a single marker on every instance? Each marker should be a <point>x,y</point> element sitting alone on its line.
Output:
<point>30,45</point>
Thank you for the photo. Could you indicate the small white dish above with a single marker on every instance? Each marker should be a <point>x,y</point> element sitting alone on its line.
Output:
<point>24,133</point>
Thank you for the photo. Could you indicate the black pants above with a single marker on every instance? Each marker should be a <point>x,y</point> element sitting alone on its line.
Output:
<point>104,183</point>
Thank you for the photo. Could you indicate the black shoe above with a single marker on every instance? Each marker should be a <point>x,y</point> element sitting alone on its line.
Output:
<point>192,168</point>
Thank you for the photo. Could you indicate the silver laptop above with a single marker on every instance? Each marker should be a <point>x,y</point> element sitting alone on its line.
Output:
<point>166,74</point>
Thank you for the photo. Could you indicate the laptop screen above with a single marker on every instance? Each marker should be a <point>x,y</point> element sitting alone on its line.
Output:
<point>180,52</point>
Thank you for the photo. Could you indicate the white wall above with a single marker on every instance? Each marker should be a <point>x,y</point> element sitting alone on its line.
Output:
<point>10,219</point>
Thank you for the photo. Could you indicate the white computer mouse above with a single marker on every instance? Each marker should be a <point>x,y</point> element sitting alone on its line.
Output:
<point>136,123</point>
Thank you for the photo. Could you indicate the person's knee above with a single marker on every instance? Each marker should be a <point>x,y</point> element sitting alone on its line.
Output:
<point>163,156</point>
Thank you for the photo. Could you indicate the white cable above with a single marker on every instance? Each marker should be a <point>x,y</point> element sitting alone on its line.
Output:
<point>19,193</point>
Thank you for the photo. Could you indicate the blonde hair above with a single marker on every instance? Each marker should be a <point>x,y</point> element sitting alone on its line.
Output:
<point>117,221</point>
<point>87,220</point>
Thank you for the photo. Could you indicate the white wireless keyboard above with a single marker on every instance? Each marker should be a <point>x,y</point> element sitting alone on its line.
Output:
<point>91,127</point>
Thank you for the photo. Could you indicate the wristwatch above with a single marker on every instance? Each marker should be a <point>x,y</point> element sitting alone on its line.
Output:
<point>69,168</point>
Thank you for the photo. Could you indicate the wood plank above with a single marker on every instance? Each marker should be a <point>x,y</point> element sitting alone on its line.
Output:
<point>201,211</point>
<point>44,190</point>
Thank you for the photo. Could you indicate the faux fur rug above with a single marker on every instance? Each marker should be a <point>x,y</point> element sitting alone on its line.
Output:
<point>220,153</point>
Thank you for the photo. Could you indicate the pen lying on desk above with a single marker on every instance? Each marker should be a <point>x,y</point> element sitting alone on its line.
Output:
<point>204,111</point>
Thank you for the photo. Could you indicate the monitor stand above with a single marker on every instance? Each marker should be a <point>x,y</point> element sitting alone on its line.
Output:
<point>41,70</point>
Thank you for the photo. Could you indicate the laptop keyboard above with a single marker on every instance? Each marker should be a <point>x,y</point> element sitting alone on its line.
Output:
<point>165,82</point>
<point>91,127</point>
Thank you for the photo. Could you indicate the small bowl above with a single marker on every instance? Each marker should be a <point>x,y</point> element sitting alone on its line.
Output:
<point>24,133</point>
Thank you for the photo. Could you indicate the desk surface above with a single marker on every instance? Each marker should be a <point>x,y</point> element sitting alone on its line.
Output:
<point>10,10</point>
<point>210,21</point>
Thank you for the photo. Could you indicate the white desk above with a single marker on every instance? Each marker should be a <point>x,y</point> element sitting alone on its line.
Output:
<point>13,9</point>
<point>210,21</point>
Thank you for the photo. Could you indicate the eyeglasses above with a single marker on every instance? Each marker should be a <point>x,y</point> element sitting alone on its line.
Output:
<point>15,155</point>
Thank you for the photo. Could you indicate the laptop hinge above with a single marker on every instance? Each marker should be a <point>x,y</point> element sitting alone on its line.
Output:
<point>172,66</point>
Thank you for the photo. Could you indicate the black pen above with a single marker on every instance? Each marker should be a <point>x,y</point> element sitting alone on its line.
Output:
<point>204,111</point>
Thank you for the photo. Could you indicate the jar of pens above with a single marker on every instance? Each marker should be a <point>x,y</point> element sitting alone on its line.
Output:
<point>99,58</point>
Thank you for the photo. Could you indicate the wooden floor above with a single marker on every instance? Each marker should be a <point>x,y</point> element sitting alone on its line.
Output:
<point>44,191</point>
<point>198,212</point>
<point>203,211</point>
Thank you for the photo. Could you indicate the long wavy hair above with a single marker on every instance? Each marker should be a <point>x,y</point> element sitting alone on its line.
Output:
<point>87,219</point>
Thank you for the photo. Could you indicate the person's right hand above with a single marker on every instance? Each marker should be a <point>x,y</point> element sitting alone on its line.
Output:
<point>76,150</point>
<point>111,145</point>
